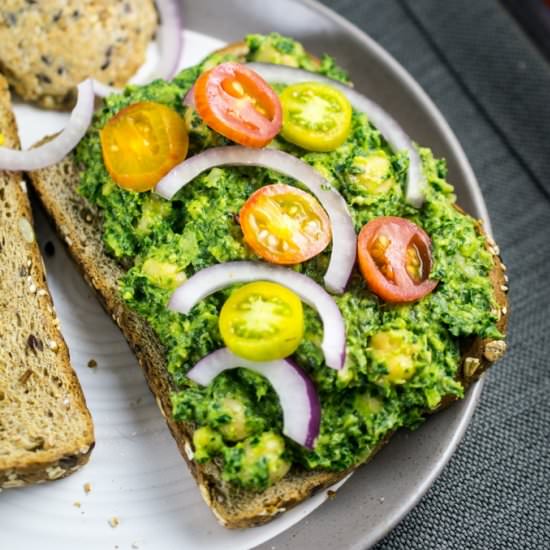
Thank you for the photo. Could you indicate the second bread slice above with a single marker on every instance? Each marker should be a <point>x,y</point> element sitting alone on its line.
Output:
<point>46,430</point>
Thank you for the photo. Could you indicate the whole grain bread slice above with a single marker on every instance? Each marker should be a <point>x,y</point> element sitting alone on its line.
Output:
<point>46,431</point>
<point>79,224</point>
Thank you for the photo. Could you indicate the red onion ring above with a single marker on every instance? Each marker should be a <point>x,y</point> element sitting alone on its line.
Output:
<point>297,394</point>
<point>170,41</point>
<point>189,98</point>
<point>388,127</point>
<point>342,258</point>
<point>209,280</point>
<point>58,148</point>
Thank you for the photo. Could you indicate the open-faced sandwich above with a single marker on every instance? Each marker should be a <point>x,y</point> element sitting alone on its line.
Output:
<point>292,272</point>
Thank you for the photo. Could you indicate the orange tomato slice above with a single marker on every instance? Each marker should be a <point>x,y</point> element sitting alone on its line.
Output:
<point>284,225</point>
<point>142,143</point>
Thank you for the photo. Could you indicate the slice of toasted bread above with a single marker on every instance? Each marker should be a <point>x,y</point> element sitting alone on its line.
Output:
<point>46,431</point>
<point>79,224</point>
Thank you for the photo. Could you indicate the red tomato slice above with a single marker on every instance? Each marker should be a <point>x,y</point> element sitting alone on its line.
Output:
<point>395,259</point>
<point>239,104</point>
<point>284,225</point>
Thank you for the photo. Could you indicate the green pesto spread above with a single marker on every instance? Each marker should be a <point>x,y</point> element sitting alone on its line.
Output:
<point>401,359</point>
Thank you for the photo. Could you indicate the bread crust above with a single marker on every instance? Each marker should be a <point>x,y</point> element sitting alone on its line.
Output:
<point>63,456</point>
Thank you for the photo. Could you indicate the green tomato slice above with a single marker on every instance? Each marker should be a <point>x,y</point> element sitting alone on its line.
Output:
<point>262,321</point>
<point>316,116</point>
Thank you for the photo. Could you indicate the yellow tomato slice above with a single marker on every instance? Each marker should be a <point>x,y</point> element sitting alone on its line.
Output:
<point>316,116</point>
<point>284,225</point>
<point>142,143</point>
<point>262,321</point>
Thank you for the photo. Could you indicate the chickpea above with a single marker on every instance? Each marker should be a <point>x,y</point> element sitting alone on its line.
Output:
<point>375,176</point>
<point>265,451</point>
<point>207,442</point>
<point>395,349</point>
<point>236,429</point>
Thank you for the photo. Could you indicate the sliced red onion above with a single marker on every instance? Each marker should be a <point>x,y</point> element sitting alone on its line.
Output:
<point>209,280</point>
<point>189,98</point>
<point>104,90</point>
<point>296,392</point>
<point>342,258</point>
<point>388,127</point>
<point>58,148</point>
<point>170,42</point>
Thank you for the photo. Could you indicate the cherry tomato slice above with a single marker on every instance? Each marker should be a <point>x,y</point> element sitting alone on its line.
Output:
<point>284,225</point>
<point>239,104</point>
<point>316,116</point>
<point>395,259</point>
<point>142,143</point>
<point>262,321</point>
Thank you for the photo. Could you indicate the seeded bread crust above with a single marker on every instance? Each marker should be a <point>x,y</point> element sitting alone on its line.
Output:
<point>79,225</point>
<point>46,431</point>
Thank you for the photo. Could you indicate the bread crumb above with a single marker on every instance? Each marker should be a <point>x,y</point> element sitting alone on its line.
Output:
<point>87,488</point>
<point>92,364</point>
<point>136,402</point>
<point>331,495</point>
<point>52,344</point>
<point>114,521</point>
<point>26,230</point>
<point>76,504</point>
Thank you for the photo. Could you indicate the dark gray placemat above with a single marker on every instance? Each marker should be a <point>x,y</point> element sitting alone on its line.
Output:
<point>493,87</point>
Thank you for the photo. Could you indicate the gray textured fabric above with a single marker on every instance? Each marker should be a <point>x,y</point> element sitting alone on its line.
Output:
<point>493,87</point>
